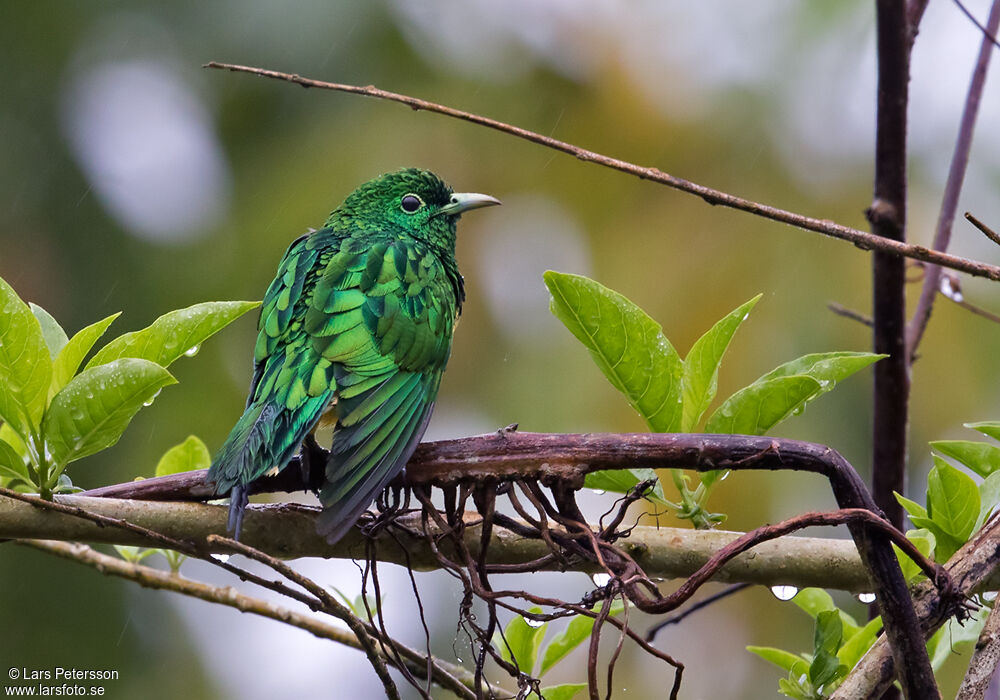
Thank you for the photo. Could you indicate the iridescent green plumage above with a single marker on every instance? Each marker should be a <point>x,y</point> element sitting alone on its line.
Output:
<point>356,327</point>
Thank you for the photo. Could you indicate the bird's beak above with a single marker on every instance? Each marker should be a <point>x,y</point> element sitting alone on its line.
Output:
<point>464,201</point>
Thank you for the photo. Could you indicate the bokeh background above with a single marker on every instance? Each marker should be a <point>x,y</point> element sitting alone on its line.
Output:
<point>131,179</point>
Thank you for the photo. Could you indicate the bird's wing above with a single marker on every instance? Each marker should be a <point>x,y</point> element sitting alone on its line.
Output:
<point>279,413</point>
<point>381,318</point>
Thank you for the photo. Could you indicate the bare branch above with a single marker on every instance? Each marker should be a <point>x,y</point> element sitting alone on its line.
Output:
<point>953,186</point>
<point>861,239</point>
<point>990,233</point>
<point>842,310</point>
<point>449,676</point>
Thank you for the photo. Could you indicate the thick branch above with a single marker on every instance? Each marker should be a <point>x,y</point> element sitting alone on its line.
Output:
<point>861,239</point>
<point>290,531</point>
<point>887,214</point>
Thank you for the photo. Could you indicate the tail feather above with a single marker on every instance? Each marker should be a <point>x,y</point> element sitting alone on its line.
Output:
<point>266,436</point>
<point>239,497</point>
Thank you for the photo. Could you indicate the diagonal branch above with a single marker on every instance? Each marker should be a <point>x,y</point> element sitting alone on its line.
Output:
<point>953,186</point>
<point>449,676</point>
<point>862,239</point>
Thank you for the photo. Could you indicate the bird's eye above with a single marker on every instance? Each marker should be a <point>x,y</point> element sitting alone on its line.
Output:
<point>411,203</point>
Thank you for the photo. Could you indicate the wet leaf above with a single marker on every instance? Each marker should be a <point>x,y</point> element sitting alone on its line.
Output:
<point>627,345</point>
<point>701,366</point>
<point>174,333</point>
<point>95,407</point>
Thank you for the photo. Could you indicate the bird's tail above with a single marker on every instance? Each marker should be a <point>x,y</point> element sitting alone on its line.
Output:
<point>243,457</point>
<point>265,437</point>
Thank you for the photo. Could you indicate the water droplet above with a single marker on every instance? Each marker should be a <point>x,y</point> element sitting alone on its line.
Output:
<point>784,592</point>
<point>866,598</point>
<point>192,351</point>
<point>601,579</point>
<point>533,623</point>
<point>152,398</point>
<point>599,492</point>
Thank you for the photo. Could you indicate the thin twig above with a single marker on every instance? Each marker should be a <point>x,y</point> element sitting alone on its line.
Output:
<point>700,605</point>
<point>861,239</point>
<point>988,34</point>
<point>449,676</point>
<point>842,310</point>
<point>956,177</point>
<point>330,605</point>
<point>990,233</point>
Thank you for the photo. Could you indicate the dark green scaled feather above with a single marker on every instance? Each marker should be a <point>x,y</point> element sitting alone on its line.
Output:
<point>357,324</point>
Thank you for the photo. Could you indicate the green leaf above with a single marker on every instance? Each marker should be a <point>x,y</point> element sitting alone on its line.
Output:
<point>989,497</point>
<point>952,500</point>
<point>52,332</point>
<point>522,642</point>
<point>627,345</point>
<point>622,480</point>
<point>133,555</point>
<point>925,542</point>
<point>815,601</point>
<point>757,408</point>
<point>189,455</point>
<point>825,666</point>
<point>67,362</point>
<point>25,365</point>
<point>92,411</point>
<point>12,464</point>
<point>571,637</point>
<point>827,368</point>
<point>793,663</point>
<point>701,366</point>
<point>792,688</point>
<point>565,691</point>
<point>856,645</point>
<point>955,638</point>
<point>988,428</point>
<point>912,508</point>
<point>829,632</point>
<point>174,334</point>
<point>981,457</point>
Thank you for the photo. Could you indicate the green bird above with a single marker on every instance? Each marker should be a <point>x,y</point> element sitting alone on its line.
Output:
<point>354,332</point>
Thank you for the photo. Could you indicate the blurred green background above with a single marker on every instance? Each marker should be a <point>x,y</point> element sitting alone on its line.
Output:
<point>131,179</point>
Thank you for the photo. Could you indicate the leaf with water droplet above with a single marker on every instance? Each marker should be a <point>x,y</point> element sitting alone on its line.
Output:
<point>701,366</point>
<point>626,344</point>
<point>67,362</point>
<point>76,427</point>
<point>174,334</point>
<point>981,457</point>
<point>522,642</point>
<point>623,480</point>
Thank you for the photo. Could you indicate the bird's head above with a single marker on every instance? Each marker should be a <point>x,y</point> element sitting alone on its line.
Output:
<point>417,201</point>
